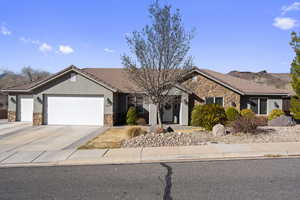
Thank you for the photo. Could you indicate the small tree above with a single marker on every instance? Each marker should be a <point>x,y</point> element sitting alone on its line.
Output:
<point>160,51</point>
<point>295,74</point>
<point>131,116</point>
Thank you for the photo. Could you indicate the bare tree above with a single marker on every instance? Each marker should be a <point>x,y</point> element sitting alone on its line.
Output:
<point>160,54</point>
<point>33,74</point>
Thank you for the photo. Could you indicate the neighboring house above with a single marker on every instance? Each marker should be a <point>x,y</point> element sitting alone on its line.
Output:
<point>226,90</point>
<point>102,96</point>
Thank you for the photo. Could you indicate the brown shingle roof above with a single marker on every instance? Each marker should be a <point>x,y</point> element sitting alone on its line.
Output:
<point>115,77</point>
<point>243,86</point>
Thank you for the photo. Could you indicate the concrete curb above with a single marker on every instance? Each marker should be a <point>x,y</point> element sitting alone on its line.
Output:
<point>177,159</point>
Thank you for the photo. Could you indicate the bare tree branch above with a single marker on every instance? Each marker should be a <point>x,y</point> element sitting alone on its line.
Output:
<point>160,54</point>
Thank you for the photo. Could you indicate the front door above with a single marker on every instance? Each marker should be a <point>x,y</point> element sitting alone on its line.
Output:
<point>168,112</point>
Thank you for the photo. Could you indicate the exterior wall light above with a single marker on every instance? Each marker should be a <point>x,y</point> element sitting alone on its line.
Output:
<point>108,101</point>
<point>13,100</point>
<point>185,101</point>
<point>40,100</point>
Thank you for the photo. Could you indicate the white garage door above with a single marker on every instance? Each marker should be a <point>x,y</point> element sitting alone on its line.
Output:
<point>75,110</point>
<point>26,109</point>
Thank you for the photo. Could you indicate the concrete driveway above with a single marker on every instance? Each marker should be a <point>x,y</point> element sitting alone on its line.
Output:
<point>22,137</point>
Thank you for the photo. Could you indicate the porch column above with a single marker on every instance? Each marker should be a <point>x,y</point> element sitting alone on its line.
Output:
<point>152,114</point>
<point>184,110</point>
<point>12,108</point>
<point>38,102</point>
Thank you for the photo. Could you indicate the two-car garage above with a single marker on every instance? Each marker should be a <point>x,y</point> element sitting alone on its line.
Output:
<point>70,97</point>
<point>66,110</point>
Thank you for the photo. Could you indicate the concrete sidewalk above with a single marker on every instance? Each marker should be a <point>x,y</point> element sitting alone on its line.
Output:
<point>151,154</point>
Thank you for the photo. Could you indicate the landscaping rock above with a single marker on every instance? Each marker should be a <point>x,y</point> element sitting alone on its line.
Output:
<point>169,129</point>
<point>218,130</point>
<point>282,120</point>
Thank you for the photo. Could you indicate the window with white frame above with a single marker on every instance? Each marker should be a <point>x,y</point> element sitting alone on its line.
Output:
<point>258,105</point>
<point>214,100</point>
<point>136,101</point>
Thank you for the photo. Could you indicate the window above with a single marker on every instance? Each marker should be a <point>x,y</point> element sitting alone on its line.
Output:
<point>254,105</point>
<point>209,100</point>
<point>214,100</point>
<point>219,101</point>
<point>263,106</point>
<point>259,105</point>
<point>137,102</point>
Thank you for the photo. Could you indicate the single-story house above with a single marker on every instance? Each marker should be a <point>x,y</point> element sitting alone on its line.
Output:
<point>102,96</point>
<point>226,90</point>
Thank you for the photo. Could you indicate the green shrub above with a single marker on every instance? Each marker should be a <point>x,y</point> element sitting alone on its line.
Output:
<point>275,113</point>
<point>141,121</point>
<point>232,114</point>
<point>207,116</point>
<point>245,124</point>
<point>135,131</point>
<point>247,113</point>
<point>131,116</point>
<point>196,116</point>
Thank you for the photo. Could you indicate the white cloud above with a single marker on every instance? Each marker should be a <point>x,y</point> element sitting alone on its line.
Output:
<point>4,30</point>
<point>292,7</point>
<point>107,50</point>
<point>285,23</point>
<point>28,40</point>
<point>65,49</point>
<point>45,47</point>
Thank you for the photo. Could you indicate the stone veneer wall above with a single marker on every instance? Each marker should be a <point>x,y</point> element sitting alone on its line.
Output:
<point>109,119</point>
<point>37,119</point>
<point>204,87</point>
<point>11,116</point>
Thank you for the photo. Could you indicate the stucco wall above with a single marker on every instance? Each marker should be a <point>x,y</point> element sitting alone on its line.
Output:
<point>204,87</point>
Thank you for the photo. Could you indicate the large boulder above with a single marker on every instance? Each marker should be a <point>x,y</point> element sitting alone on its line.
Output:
<point>282,120</point>
<point>218,130</point>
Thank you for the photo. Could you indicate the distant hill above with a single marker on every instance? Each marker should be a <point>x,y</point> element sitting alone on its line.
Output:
<point>27,75</point>
<point>11,79</point>
<point>278,80</point>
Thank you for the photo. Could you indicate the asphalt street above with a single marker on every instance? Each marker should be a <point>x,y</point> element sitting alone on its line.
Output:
<point>247,179</point>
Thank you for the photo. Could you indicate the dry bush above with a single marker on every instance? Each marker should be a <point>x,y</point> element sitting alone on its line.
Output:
<point>141,121</point>
<point>245,125</point>
<point>135,131</point>
<point>261,120</point>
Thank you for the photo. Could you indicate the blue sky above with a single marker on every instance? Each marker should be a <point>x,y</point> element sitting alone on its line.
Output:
<point>230,34</point>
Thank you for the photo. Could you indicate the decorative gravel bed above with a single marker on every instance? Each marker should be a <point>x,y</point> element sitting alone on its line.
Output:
<point>264,135</point>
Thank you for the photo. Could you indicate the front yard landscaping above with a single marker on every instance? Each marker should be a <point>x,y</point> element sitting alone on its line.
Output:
<point>112,138</point>
<point>211,125</point>
<point>264,135</point>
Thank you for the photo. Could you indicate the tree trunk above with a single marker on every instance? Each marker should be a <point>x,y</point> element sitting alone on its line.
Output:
<point>159,115</point>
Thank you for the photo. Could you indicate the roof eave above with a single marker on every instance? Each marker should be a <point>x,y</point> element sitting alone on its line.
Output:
<point>267,94</point>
